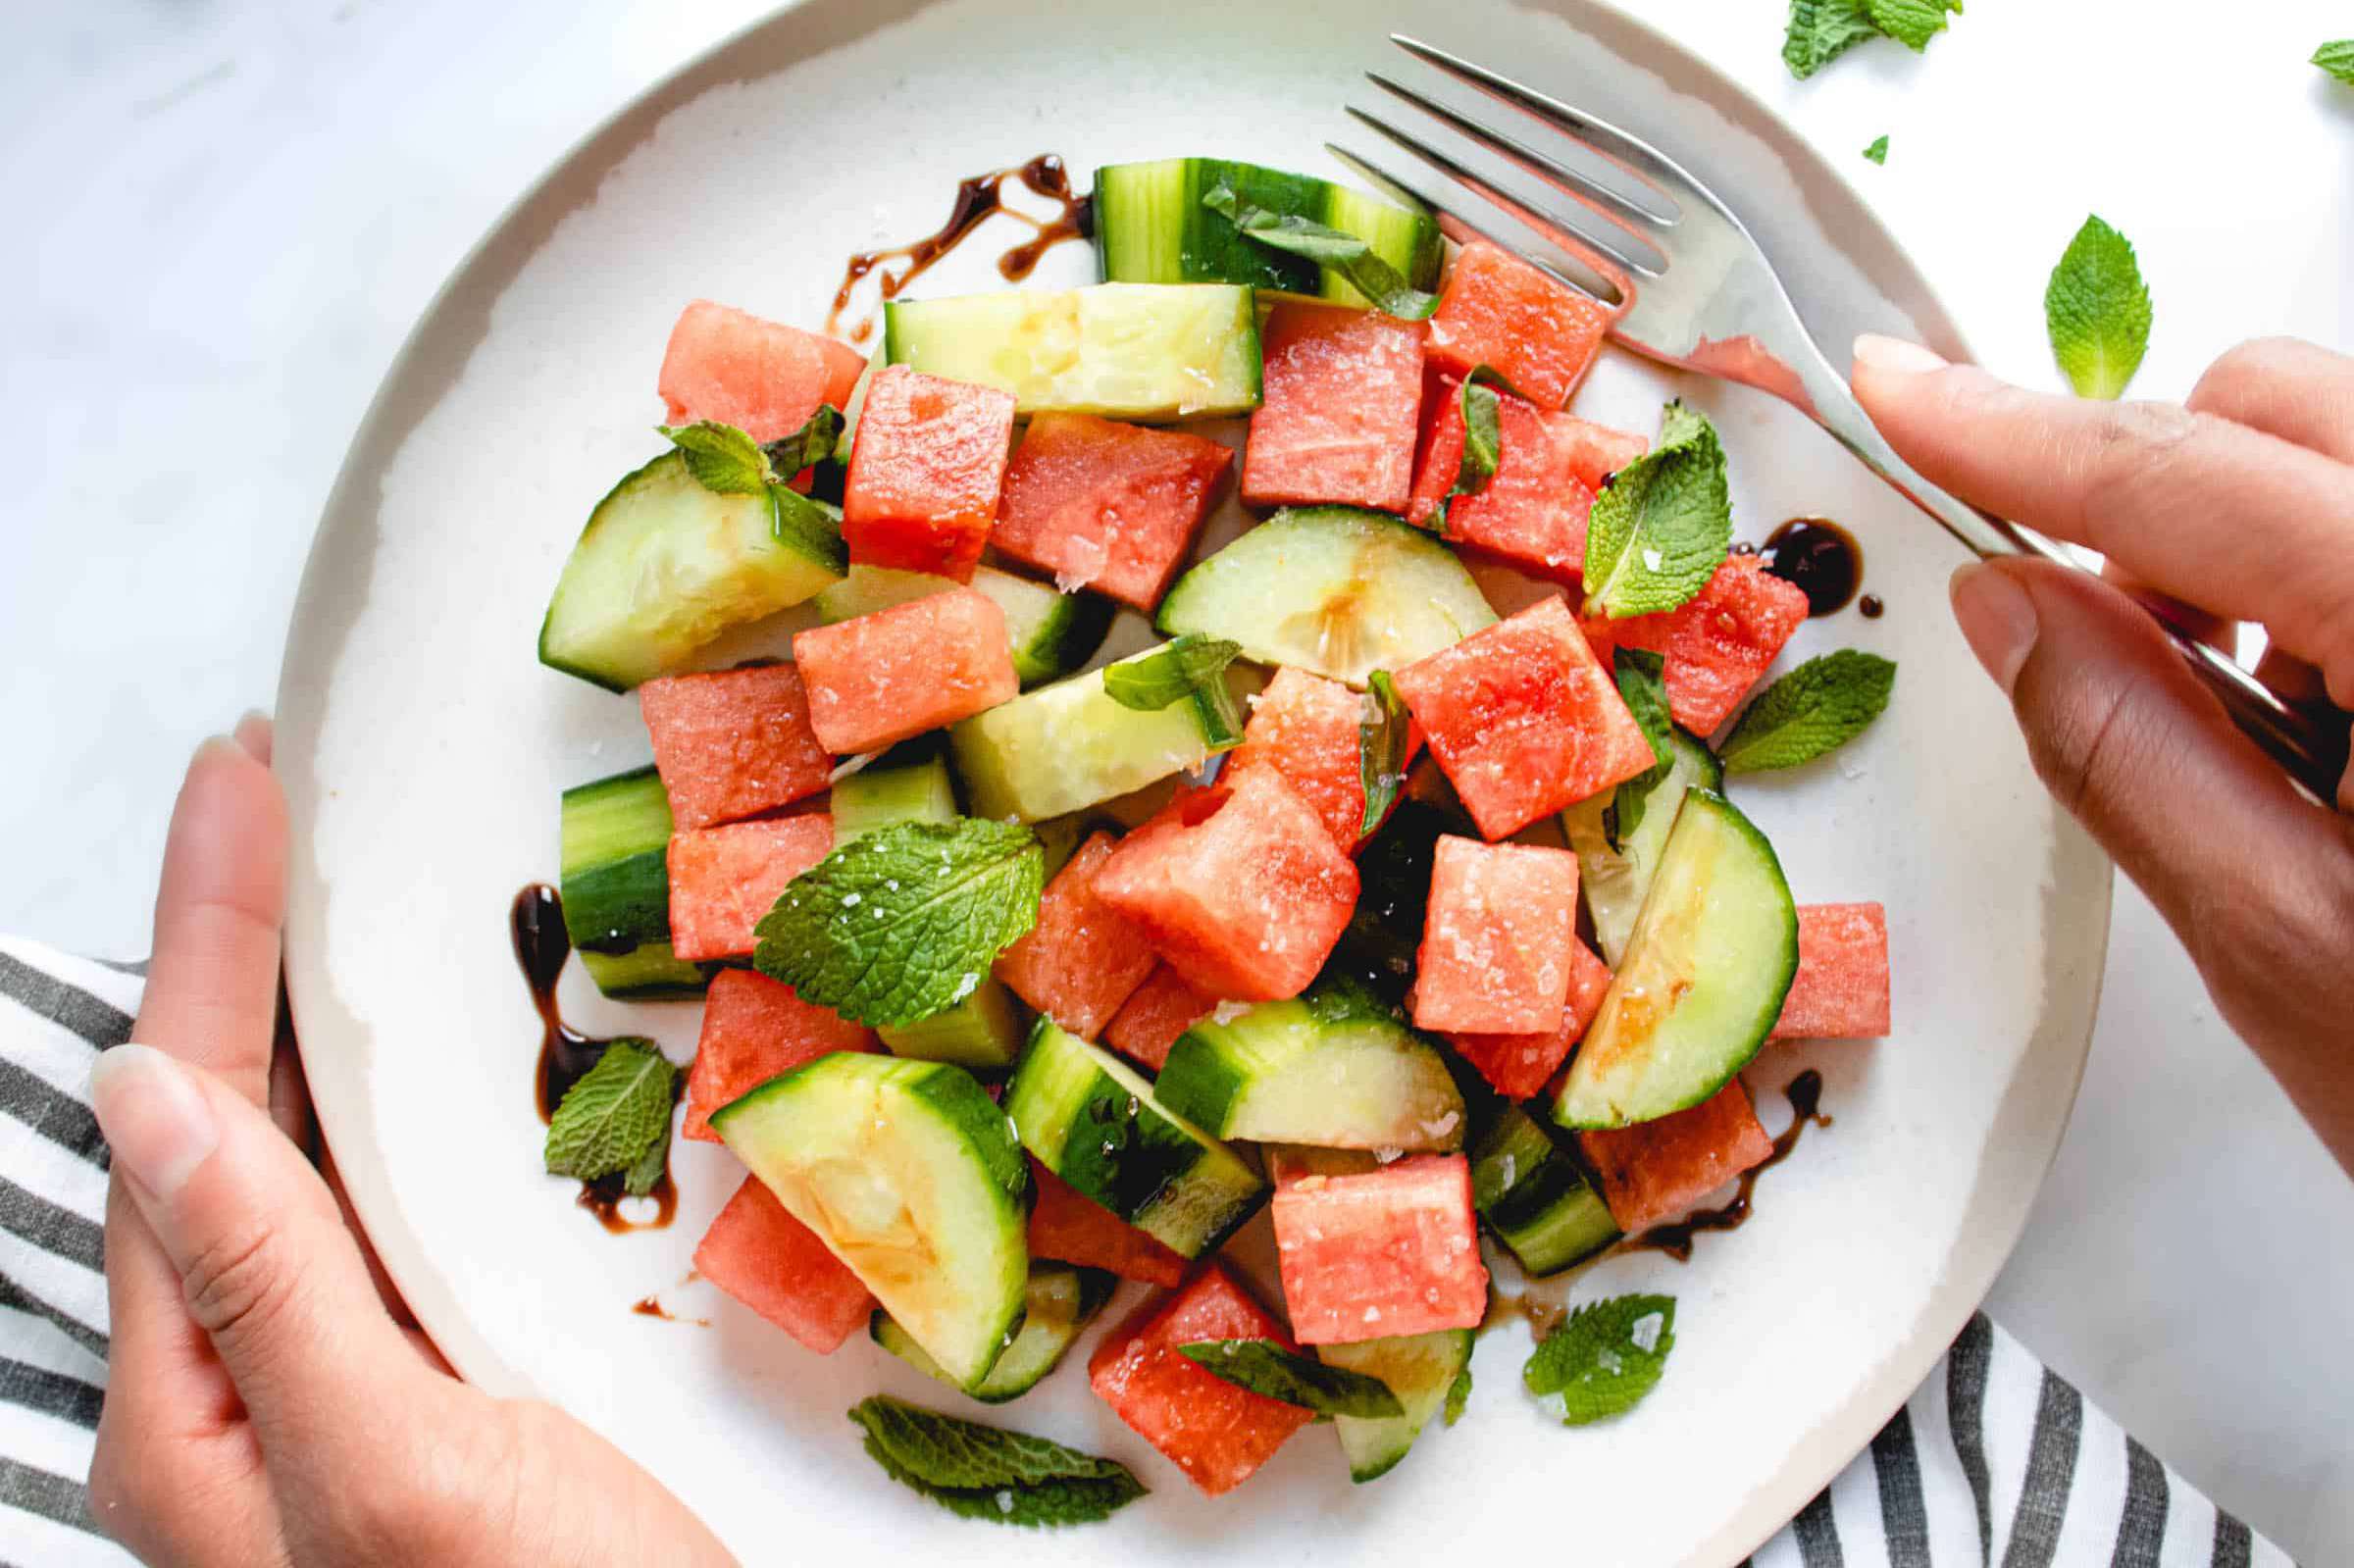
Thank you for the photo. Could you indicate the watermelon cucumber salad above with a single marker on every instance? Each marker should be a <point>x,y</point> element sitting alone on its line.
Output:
<point>1348,899</point>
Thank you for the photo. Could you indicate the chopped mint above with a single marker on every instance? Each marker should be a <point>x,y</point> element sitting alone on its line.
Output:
<point>1267,1369</point>
<point>1186,664</point>
<point>1381,749</point>
<point>1483,437</point>
<point>988,1473</point>
<point>813,443</point>
<point>1344,253</point>
<point>2097,309</point>
<point>2337,58</point>
<point>1913,22</point>
<point>1877,152</point>
<point>1458,1395</point>
<point>1661,528</point>
<point>1643,685</point>
<point>722,458</point>
<point>1816,708</point>
<point>1820,31</point>
<point>1605,1359</point>
<point>616,1118</point>
<point>894,926</point>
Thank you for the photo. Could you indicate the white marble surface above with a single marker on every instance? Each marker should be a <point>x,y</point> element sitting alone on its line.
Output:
<point>228,214</point>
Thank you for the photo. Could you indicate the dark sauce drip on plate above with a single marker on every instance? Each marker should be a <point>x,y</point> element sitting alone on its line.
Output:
<point>1870,608</point>
<point>1818,557</point>
<point>978,197</point>
<point>1541,1315</point>
<point>543,946</point>
<point>1805,1094</point>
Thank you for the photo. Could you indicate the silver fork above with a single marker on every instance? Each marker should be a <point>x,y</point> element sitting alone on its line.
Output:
<point>1693,289</point>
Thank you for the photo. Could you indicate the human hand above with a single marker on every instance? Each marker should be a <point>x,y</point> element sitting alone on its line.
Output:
<point>2241,505</point>
<point>263,1405</point>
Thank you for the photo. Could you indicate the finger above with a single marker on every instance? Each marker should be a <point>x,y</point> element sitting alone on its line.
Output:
<point>212,985</point>
<point>2297,390</point>
<point>2291,679</point>
<point>2204,624</point>
<point>2255,879</point>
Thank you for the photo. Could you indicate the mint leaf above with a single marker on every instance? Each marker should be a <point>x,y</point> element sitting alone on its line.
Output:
<point>988,1473</point>
<point>1643,686</point>
<point>1821,31</point>
<point>1458,1395</point>
<point>1483,437</point>
<point>1661,528</point>
<point>1344,253</point>
<point>722,458</point>
<point>811,444</point>
<point>616,1118</point>
<point>2098,312</point>
<point>902,923</point>
<point>1267,1369</point>
<point>1912,22</point>
<point>2337,58</point>
<point>1816,708</point>
<point>1877,152</point>
<point>1178,668</point>
<point>1604,1359</point>
<point>1381,747</point>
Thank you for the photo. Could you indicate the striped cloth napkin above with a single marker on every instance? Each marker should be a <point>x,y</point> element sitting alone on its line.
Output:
<point>1996,1460</point>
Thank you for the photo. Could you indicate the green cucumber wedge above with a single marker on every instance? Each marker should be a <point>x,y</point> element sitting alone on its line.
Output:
<point>910,1175</point>
<point>615,876</point>
<point>664,566</point>
<point>1334,590</point>
<point>1051,633</point>
<point>1534,1193</point>
<point>1061,1299</point>
<point>1131,351</point>
<point>1333,1069</point>
<point>1614,881</point>
<point>1420,1369</point>
<point>984,1032</point>
<point>885,792</point>
<point>1094,1122</point>
<point>1702,979</point>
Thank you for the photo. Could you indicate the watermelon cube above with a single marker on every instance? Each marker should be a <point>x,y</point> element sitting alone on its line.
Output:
<point>1596,452</point>
<point>1067,1224</point>
<point>1520,1066</point>
<point>1245,902</point>
<point>1373,1254</point>
<point>1159,1010</point>
<point>876,679</point>
<point>1498,311</point>
<point>723,879</point>
<point>1082,959</point>
<point>1841,989</point>
<point>1655,1171</point>
<point>1714,646</point>
<point>732,743</point>
<point>1106,506</point>
<point>1524,719</point>
<point>764,378</point>
<point>775,1265</point>
<point>1533,510</point>
<point>1217,1434</point>
<point>1495,937</point>
<point>753,1028</point>
<point>1308,730</point>
<point>926,468</point>
<point>1342,396</point>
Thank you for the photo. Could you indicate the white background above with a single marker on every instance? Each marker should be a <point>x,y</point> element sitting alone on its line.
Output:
<point>225,217</point>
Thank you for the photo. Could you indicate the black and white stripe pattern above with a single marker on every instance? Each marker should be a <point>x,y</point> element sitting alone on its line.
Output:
<point>1996,1461</point>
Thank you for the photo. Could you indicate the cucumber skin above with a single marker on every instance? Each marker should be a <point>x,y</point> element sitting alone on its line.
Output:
<point>1597,861</point>
<point>1520,1176</point>
<point>1379,1439</point>
<point>615,886</point>
<point>1094,1288</point>
<point>1209,249</point>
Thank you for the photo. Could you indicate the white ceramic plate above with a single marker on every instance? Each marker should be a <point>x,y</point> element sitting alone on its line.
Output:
<point>424,749</point>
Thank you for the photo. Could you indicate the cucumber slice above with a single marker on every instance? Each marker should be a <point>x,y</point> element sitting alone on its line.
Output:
<point>1061,1299</point>
<point>1420,1369</point>
<point>910,1175</point>
<point>1535,1195</point>
<point>665,566</point>
<point>1151,227</point>
<point>884,793</point>
<point>1331,589</point>
<point>1051,633</point>
<point>1132,351</point>
<point>615,876</point>
<point>1332,1069</point>
<point>1070,745</point>
<point>1616,880</point>
<point>1705,974</point>
<point>1094,1122</point>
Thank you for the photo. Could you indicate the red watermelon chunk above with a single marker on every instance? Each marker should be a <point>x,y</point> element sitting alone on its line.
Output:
<point>1217,1434</point>
<point>723,879</point>
<point>753,1028</point>
<point>1596,452</point>
<point>1524,719</point>
<point>1389,1252</point>
<point>1106,506</point>
<point>1654,1171</point>
<point>1308,728</point>
<point>1520,1066</point>
<point>1159,1010</point>
<point>1716,646</point>
<point>1498,311</point>
<point>1246,901</point>
<point>1533,509</point>
<point>775,1265</point>
<point>732,743</point>
<point>1067,1224</point>
<point>1342,394</point>
<point>875,680</point>
<point>1495,937</point>
<point>764,378</point>
<point>1082,958</point>
<point>1841,989</point>
<point>926,468</point>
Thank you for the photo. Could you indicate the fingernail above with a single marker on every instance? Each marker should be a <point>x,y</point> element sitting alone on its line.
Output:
<point>1895,356</point>
<point>154,1116</point>
<point>1998,619</point>
<point>253,733</point>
